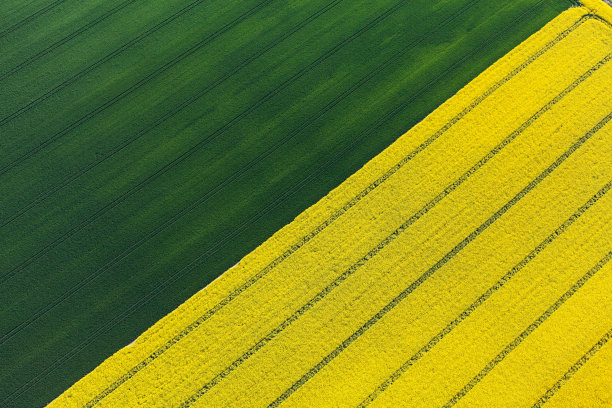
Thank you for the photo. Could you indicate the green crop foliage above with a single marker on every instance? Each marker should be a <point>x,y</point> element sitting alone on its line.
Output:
<point>148,146</point>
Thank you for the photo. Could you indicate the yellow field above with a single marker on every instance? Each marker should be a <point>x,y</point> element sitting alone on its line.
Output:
<point>468,264</point>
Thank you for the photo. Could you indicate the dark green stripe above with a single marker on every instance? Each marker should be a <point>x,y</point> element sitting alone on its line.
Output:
<point>573,369</point>
<point>164,169</point>
<point>530,329</point>
<point>399,298</point>
<point>66,39</point>
<point>166,223</point>
<point>242,227</point>
<point>486,295</point>
<point>101,61</point>
<point>134,87</point>
<point>295,247</point>
<point>31,17</point>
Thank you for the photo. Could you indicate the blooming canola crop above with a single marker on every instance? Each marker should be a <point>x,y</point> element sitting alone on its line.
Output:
<point>468,264</point>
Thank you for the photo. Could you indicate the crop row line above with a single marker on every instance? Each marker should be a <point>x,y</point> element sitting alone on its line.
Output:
<point>324,225</point>
<point>31,17</point>
<point>483,298</point>
<point>66,39</point>
<point>195,147</point>
<point>143,81</point>
<point>197,262</point>
<point>100,62</point>
<point>525,333</point>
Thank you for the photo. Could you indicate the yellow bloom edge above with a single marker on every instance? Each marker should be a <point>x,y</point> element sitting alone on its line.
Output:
<point>598,7</point>
<point>126,358</point>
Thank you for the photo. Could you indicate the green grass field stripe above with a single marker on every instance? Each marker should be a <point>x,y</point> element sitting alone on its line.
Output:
<point>142,82</point>
<point>239,229</point>
<point>31,17</point>
<point>29,205</point>
<point>100,62</point>
<point>65,40</point>
<point>171,113</point>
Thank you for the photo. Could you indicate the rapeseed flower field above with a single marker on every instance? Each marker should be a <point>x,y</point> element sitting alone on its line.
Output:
<point>148,146</point>
<point>467,265</point>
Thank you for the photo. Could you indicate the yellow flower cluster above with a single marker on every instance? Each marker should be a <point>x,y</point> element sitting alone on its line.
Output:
<point>467,264</point>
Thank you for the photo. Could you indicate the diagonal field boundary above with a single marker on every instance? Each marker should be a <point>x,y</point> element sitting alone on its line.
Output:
<point>573,369</point>
<point>349,272</point>
<point>486,295</point>
<point>183,156</point>
<point>211,193</point>
<point>243,226</point>
<point>305,239</point>
<point>530,329</point>
<point>174,218</point>
<point>438,265</point>
<point>6,336</point>
<point>13,331</point>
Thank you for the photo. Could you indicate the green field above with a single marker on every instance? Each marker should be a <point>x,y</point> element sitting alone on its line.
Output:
<point>148,146</point>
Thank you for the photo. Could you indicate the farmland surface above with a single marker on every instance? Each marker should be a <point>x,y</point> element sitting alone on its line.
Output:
<point>468,264</point>
<point>147,146</point>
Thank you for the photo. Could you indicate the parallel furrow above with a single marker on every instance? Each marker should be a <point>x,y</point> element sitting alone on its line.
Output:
<point>147,79</point>
<point>100,62</point>
<point>203,142</point>
<point>335,216</point>
<point>30,18</point>
<point>64,40</point>
<point>426,275</point>
<point>486,295</point>
<point>525,333</point>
